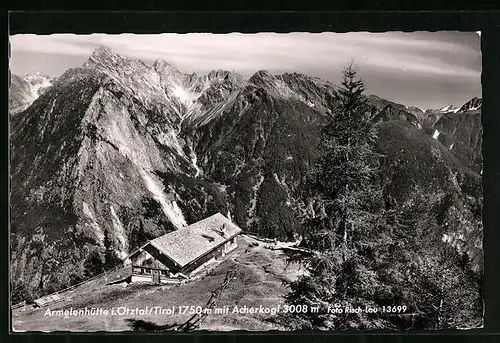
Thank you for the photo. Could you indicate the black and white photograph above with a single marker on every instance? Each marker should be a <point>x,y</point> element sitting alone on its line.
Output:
<point>246,182</point>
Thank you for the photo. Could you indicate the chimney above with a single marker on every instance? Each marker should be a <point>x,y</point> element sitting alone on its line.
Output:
<point>223,230</point>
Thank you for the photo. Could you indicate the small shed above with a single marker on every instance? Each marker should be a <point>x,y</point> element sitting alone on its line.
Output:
<point>183,252</point>
<point>48,299</point>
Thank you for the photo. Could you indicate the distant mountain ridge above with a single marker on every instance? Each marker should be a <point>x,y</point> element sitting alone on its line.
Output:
<point>448,109</point>
<point>24,90</point>
<point>474,104</point>
<point>119,146</point>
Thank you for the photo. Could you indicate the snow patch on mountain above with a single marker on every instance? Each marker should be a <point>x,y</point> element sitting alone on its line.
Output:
<point>170,207</point>
<point>127,146</point>
<point>435,135</point>
<point>194,160</point>
<point>38,83</point>
<point>449,109</point>
<point>52,105</point>
<point>120,232</point>
<point>473,104</point>
<point>185,95</point>
<point>96,228</point>
<point>23,91</point>
<point>188,98</point>
<point>87,211</point>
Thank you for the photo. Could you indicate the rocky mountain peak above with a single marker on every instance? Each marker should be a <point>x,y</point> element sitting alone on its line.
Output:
<point>160,64</point>
<point>448,109</point>
<point>103,52</point>
<point>275,85</point>
<point>222,75</point>
<point>104,58</point>
<point>164,67</point>
<point>260,76</point>
<point>299,77</point>
<point>414,109</point>
<point>218,74</point>
<point>473,104</point>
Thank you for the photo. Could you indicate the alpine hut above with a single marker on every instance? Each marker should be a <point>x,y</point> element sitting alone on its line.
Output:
<point>183,252</point>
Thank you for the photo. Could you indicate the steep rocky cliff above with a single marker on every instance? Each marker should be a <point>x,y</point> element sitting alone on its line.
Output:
<point>462,134</point>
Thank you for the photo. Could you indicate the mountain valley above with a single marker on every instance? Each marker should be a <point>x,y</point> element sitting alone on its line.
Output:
<point>120,146</point>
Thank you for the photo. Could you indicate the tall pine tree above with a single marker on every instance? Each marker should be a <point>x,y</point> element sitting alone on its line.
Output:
<point>370,250</point>
<point>348,197</point>
<point>111,260</point>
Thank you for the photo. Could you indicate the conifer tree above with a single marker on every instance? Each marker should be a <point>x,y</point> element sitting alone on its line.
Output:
<point>367,249</point>
<point>348,208</point>
<point>93,264</point>
<point>20,292</point>
<point>111,260</point>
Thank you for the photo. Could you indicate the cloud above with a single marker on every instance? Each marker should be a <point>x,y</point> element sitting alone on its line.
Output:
<point>266,50</point>
<point>445,55</point>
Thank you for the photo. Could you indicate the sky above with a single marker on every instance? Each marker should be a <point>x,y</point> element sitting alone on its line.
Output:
<point>424,69</point>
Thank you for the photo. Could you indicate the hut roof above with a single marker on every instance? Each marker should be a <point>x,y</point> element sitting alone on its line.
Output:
<point>191,242</point>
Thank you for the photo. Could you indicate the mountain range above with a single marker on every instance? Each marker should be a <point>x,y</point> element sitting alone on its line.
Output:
<point>119,146</point>
<point>24,90</point>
